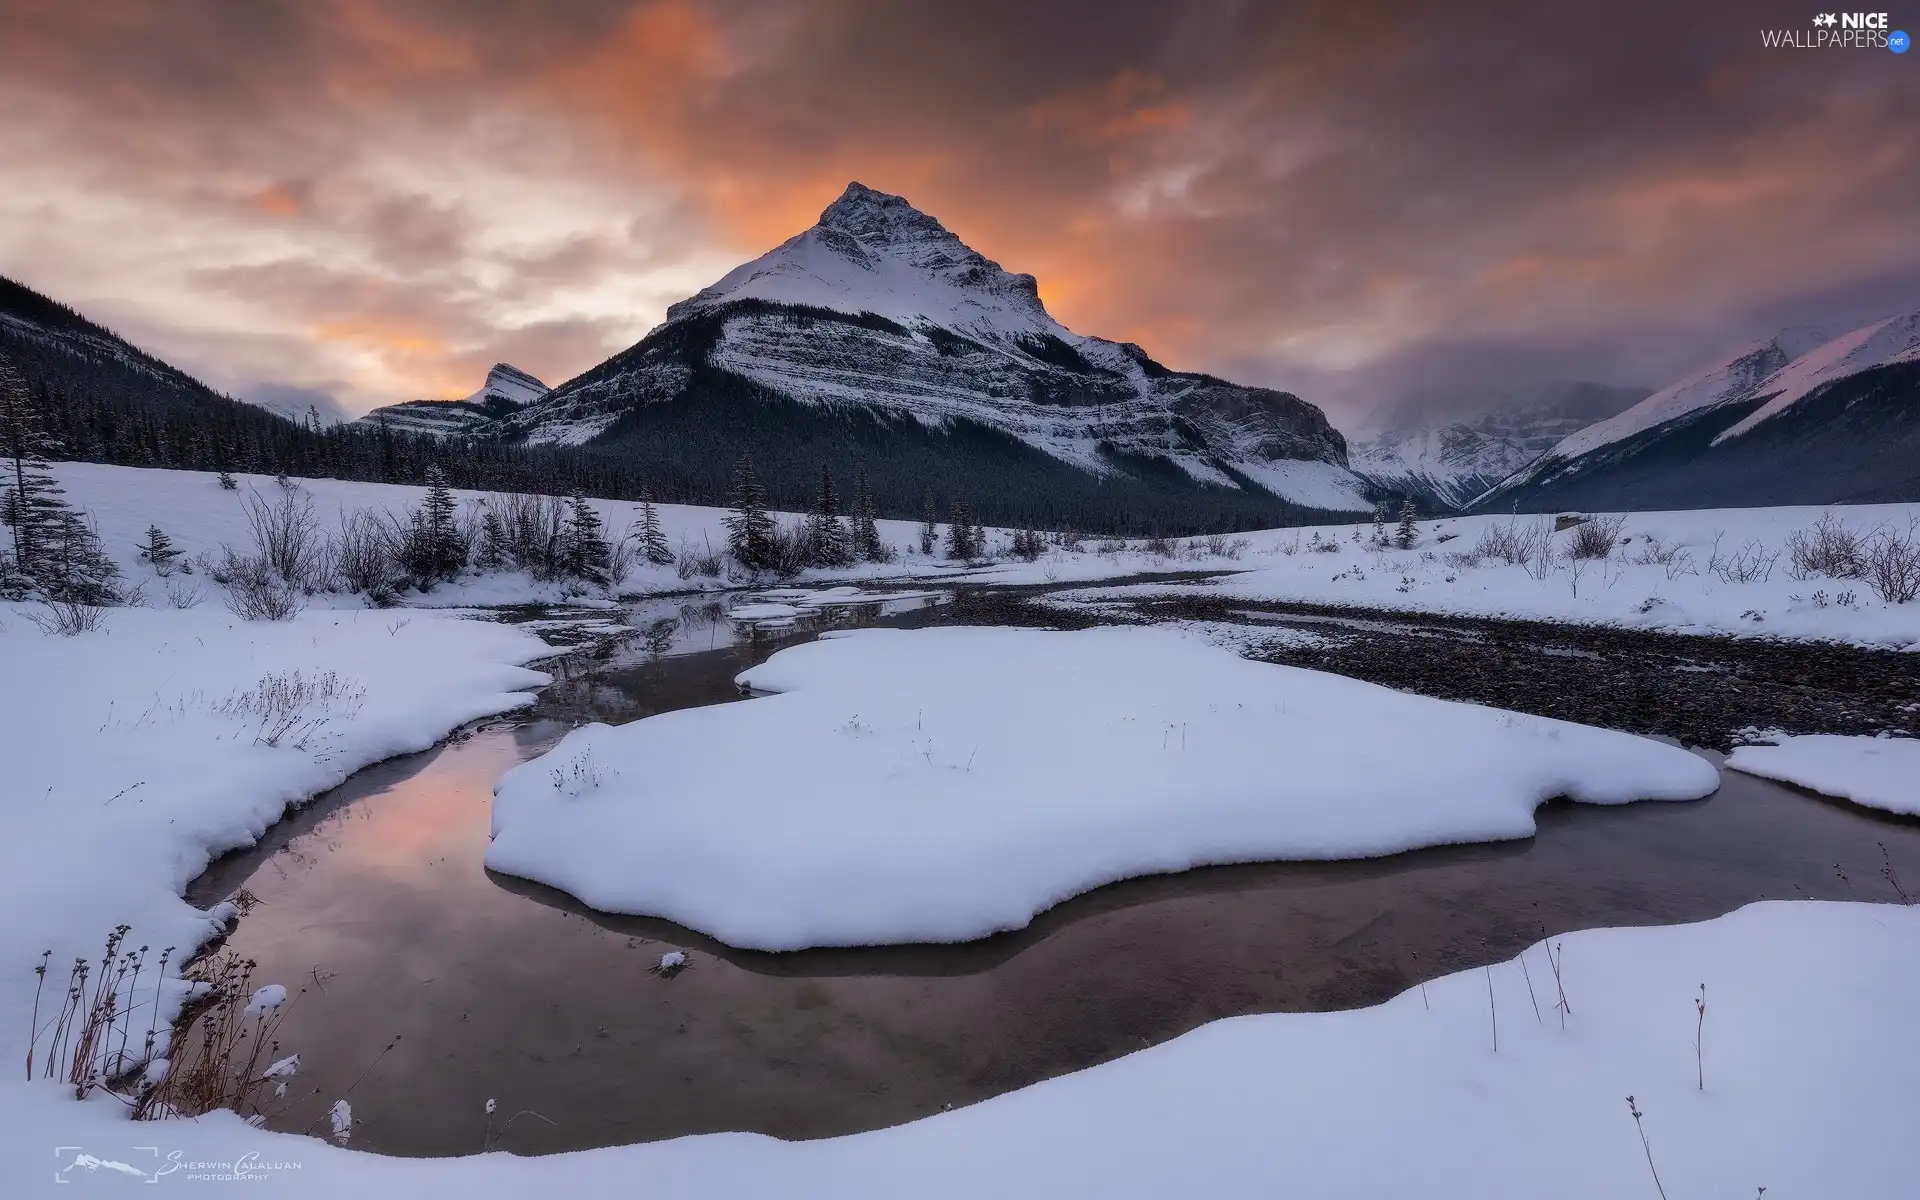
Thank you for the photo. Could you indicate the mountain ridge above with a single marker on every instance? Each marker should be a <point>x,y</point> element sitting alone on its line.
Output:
<point>1799,417</point>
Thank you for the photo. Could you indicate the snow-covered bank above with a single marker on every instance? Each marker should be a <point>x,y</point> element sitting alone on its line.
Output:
<point>1725,572</point>
<point>1810,1061</point>
<point>1722,571</point>
<point>1873,771</point>
<point>944,784</point>
<point>131,755</point>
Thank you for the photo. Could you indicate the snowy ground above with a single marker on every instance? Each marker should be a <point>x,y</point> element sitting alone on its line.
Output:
<point>132,754</point>
<point>943,784</point>
<point>1810,1062</point>
<point>1874,771</point>
<point>200,517</point>
<point>1683,594</point>
<point>135,753</point>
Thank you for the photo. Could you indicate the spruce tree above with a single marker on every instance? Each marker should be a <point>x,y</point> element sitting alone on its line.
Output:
<point>653,540</point>
<point>443,551</point>
<point>749,528</point>
<point>1405,535</point>
<point>228,482</point>
<point>867,545</point>
<point>585,552</point>
<point>30,503</point>
<point>826,536</point>
<point>493,541</point>
<point>73,567</point>
<point>158,550</point>
<point>929,527</point>
<point>960,534</point>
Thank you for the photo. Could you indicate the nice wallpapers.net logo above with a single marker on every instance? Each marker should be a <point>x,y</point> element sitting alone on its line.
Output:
<point>1840,31</point>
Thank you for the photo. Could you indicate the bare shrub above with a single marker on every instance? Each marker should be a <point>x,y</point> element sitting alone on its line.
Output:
<point>286,536</point>
<point>535,528</point>
<point>790,548</point>
<point>1596,537</point>
<point>255,591</point>
<point>1458,559</point>
<point>66,618</point>
<point>1752,563</point>
<point>363,557</point>
<point>1827,548</point>
<point>290,707</point>
<point>1893,563</point>
<point>1515,542</point>
<point>1162,547</point>
<point>696,560</point>
<point>182,595</point>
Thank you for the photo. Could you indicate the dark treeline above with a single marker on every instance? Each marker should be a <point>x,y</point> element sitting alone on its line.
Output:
<point>104,401</point>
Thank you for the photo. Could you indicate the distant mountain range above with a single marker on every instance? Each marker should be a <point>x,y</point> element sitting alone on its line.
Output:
<point>1799,418</point>
<point>1444,452</point>
<point>877,341</point>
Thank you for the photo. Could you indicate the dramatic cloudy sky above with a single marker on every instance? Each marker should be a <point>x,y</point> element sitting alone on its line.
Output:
<point>370,200</point>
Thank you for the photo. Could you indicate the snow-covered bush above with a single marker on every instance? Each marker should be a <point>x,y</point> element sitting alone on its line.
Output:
<point>1596,538</point>
<point>255,591</point>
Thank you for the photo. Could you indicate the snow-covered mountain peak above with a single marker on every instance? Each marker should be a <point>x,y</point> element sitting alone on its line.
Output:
<point>872,252</point>
<point>509,385</point>
<point>1731,379</point>
<point>1896,339</point>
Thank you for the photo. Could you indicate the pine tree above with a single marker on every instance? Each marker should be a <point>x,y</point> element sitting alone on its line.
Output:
<point>867,545</point>
<point>228,482</point>
<point>826,536</point>
<point>493,541</point>
<point>158,550</point>
<point>653,542</point>
<point>749,528</point>
<point>960,534</point>
<point>1405,535</point>
<point>443,551</point>
<point>30,503</point>
<point>1380,525</point>
<point>585,553</point>
<point>929,528</point>
<point>73,566</point>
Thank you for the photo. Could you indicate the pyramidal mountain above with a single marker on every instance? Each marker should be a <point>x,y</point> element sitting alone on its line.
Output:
<point>878,342</point>
<point>507,390</point>
<point>1802,417</point>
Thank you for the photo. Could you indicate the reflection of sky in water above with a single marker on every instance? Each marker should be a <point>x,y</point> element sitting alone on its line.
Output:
<point>672,626</point>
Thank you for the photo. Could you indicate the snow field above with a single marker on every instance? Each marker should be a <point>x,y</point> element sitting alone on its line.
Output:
<point>944,784</point>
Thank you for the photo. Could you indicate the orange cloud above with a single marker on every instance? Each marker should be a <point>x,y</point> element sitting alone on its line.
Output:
<point>1129,105</point>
